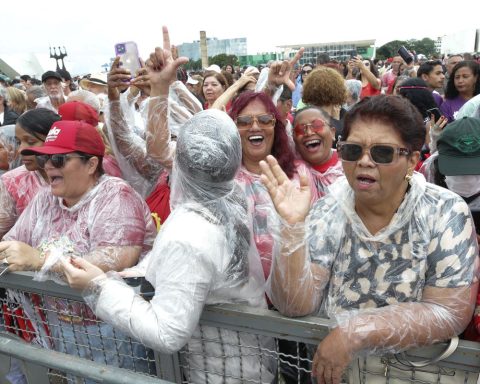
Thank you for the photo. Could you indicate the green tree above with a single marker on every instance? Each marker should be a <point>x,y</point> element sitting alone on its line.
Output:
<point>390,49</point>
<point>425,46</point>
<point>193,65</point>
<point>223,59</point>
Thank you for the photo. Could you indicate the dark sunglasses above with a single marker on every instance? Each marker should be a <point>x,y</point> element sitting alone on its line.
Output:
<point>379,153</point>
<point>263,121</point>
<point>58,160</point>
<point>316,126</point>
<point>306,72</point>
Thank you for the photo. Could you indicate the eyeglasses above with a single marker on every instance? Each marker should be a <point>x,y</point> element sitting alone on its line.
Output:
<point>316,126</point>
<point>263,121</point>
<point>57,160</point>
<point>379,153</point>
<point>306,72</point>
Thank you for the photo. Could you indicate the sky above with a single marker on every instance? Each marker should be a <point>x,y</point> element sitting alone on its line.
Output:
<point>89,29</point>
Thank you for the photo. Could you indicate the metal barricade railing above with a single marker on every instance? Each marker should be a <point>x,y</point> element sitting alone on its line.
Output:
<point>231,340</point>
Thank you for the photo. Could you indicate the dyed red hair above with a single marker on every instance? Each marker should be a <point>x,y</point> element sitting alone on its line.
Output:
<point>280,148</point>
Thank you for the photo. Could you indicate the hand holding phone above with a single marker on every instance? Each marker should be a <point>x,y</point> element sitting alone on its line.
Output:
<point>129,57</point>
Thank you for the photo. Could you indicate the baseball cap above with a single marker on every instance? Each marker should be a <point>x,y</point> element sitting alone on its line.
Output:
<point>459,148</point>
<point>64,74</point>
<point>76,110</point>
<point>51,74</point>
<point>70,136</point>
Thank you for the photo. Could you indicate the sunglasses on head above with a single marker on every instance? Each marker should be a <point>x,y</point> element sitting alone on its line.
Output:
<point>379,153</point>
<point>57,160</point>
<point>316,126</point>
<point>263,121</point>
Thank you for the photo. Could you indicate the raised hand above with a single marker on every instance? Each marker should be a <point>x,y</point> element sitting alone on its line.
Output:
<point>279,72</point>
<point>141,81</point>
<point>118,79</point>
<point>162,67</point>
<point>291,202</point>
<point>437,126</point>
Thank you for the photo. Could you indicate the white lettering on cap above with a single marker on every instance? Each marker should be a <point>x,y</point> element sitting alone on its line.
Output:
<point>52,134</point>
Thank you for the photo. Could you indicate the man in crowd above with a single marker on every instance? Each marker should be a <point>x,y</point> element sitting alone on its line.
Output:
<point>388,79</point>
<point>432,73</point>
<point>52,82</point>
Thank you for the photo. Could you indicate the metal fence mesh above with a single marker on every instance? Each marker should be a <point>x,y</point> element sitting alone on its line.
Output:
<point>213,355</point>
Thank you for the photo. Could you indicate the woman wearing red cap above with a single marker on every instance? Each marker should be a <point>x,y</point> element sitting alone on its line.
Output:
<point>82,213</point>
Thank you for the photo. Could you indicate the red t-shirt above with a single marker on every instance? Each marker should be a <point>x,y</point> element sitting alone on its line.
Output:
<point>369,90</point>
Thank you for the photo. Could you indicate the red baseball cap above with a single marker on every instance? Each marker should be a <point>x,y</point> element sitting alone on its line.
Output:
<point>70,136</point>
<point>76,110</point>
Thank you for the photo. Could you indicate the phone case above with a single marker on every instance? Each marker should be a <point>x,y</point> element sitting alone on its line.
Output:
<point>129,57</point>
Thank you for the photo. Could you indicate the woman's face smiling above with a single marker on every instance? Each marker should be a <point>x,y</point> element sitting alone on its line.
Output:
<point>314,146</point>
<point>257,142</point>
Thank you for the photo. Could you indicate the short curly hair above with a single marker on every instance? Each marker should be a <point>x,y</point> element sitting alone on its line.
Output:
<point>324,86</point>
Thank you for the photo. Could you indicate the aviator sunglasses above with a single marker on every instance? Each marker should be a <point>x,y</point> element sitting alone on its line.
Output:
<point>316,126</point>
<point>57,160</point>
<point>379,153</point>
<point>263,121</point>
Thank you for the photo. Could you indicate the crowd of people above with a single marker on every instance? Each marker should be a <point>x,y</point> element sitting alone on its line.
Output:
<point>346,190</point>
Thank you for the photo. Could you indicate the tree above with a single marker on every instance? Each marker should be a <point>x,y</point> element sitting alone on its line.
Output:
<point>193,65</point>
<point>223,59</point>
<point>425,46</point>
<point>390,49</point>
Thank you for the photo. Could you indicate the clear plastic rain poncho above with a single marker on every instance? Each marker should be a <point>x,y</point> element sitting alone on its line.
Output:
<point>110,226</point>
<point>8,211</point>
<point>18,187</point>
<point>409,284</point>
<point>139,168</point>
<point>10,144</point>
<point>204,254</point>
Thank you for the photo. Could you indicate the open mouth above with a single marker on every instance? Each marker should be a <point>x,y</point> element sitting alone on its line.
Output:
<point>256,140</point>
<point>365,180</point>
<point>312,145</point>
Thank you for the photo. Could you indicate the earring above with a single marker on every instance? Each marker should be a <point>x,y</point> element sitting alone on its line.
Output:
<point>408,176</point>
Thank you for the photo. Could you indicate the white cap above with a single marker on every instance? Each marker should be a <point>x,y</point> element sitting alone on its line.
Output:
<point>214,68</point>
<point>192,81</point>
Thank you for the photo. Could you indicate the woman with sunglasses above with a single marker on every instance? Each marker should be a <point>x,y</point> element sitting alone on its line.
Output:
<point>85,214</point>
<point>389,258</point>
<point>313,134</point>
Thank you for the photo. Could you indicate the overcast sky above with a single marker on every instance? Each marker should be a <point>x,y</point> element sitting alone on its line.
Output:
<point>89,29</point>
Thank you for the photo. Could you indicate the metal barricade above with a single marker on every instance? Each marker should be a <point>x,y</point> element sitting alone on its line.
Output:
<point>229,340</point>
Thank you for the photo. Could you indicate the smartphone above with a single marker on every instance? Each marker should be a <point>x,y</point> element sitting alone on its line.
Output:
<point>129,57</point>
<point>405,55</point>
